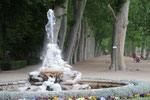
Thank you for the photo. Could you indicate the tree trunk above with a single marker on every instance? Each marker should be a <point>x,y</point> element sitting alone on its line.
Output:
<point>119,34</point>
<point>96,49</point>
<point>92,47</point>
<point>62,33</point>
<point>81,42</point>
<point>63,29</point>
<point>148,53</point>
<point>85,45</point>
<point>77,44</point>
<point>59,12</point>
<point>143,51</point>
<point>78,8</point>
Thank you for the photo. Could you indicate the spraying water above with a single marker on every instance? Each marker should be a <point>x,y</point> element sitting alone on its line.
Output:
<point>50,25</point>
<point>53,63</point>
<point>52,59</point>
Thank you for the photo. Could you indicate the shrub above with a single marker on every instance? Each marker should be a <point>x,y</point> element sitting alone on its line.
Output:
<point>18,64</point>
<point>5,66</point>
<point>33,61</point>
<point>13,65</point>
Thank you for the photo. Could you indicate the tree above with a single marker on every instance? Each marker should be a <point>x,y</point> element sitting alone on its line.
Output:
<point>22,27</point>
<point>119,32</point>
<point>78,10</point>
<point>63,28</point>
<point>60,12</point>
<point>138,27</point>
<point>99,18</point>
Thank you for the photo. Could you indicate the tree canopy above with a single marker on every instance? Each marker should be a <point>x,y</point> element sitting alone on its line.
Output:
<point>22,24</point>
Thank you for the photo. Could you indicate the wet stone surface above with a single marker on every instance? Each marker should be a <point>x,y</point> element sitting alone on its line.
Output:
<point>12,86</point>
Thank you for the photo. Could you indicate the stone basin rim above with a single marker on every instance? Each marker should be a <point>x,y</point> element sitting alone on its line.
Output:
<point>124,91</point>
<point>90,81</point>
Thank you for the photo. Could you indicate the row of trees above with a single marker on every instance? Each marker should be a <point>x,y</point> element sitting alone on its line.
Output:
<point>84,28</point>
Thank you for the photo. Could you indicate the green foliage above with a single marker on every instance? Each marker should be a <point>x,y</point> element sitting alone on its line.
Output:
<point>105,44</point>
<point>99,17</point>
<point>12,65</point>
<point>33,61</point>
<point>128,44</point>
<point>138,28</point>
<point>18,64</point>
<point>117,4</point>
<point>5,66</point>
<point>51,3</point>
<point>24,21</point>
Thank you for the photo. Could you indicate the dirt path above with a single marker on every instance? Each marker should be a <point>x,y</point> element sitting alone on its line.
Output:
<point>95,68</point>
<point>98,68</point>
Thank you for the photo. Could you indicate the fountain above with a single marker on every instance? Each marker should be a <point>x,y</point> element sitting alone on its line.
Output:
<point>53,75</point>
<point>56,78</point>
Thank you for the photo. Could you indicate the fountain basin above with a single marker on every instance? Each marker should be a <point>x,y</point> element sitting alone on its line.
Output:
<point>105,88</point>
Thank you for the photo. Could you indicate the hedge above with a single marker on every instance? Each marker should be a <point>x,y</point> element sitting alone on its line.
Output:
<point>5,66</point>
<point>33,61</point>
<point>18,64</point>
<point>13,65</point>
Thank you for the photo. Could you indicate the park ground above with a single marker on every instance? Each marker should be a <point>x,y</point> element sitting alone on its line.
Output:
<point>93,68</point>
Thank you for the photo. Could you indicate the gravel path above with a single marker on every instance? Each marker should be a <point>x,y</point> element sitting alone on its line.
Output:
<point>95,68</point>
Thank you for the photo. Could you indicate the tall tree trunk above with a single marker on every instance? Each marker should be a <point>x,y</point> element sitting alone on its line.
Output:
<point>96,49</point>
<point>85,44</point>
<point>92,47</point>
<point>62,33</point>
<point>63,28</point>
<point>148,53</point>
<point>119,34</point>
<point>81,42</point>
<point>59,12</point>
<point>143,51</point>
<point>77,44</point>
<point>78,8</point>
<point>72,57</point>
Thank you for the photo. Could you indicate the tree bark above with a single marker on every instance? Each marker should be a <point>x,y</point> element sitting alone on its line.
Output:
<point>62,33</point>
<point>63,28</point>
<point>148,53</point>
<point>119,34</point>
<point>59,12</point>
<point>143,51</point>
<point>81,42</point>
<point>96,49</point>
<point>85,44</point>
<point>78,8</point>
<point>77,44</point>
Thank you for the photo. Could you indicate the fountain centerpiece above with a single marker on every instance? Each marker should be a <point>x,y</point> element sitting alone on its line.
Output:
<point>54,70</point>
